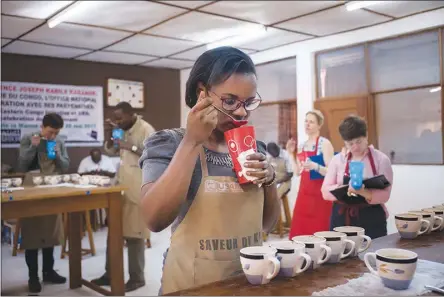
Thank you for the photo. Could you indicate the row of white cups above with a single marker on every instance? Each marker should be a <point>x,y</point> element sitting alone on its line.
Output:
<point>395,267</point>
<point>58,179</point>
<point>418,222</point>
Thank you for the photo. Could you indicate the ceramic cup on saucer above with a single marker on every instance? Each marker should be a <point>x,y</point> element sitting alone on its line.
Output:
<point>411,225</point>
<point>316,248</point>
<point>439,212</point>
<point>17,181</point>
<point>259,264</point>
<point>395,267</point>
<point>435,222</point>
<point>292,256</point>
<point>66,178</point>
<point>84,180</point>
<point>341,247</point>
<point>6,182</point>
<point>357,235</point>
<point>75,177</point>
<point>37,180</point>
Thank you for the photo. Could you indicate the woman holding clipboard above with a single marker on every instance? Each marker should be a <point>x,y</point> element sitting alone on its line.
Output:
<point>311,212</point>
<point>371,214</point>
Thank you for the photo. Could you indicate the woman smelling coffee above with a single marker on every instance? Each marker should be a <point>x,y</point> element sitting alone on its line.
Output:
<point>372,216</point>
<point>189,180</point>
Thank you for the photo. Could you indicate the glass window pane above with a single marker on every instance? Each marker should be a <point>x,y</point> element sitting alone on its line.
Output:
<point>265,120</point>
<point>409,126</point>
<point>341,72</point>
<point>404,62</point>
<point>277,80</point>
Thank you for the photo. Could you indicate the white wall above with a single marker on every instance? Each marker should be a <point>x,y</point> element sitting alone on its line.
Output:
<point>414,187</point>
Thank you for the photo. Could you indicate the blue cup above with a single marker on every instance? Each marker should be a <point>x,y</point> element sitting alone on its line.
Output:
<point>50,149</point>
<point>117,135</point>
<point>356,174</point>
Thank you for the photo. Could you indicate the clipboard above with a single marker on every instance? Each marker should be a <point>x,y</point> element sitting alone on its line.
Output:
<point>378,182</point>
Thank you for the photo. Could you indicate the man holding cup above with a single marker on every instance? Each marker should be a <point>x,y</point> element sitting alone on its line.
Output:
<point>42,232</point>
<point>129,146</point>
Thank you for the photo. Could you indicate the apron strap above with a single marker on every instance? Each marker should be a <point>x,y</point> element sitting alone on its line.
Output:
<point>370,157</point>
<point>203,162</point>
<point>316,146</point>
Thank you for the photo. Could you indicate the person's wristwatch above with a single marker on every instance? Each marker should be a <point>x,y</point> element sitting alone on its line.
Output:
<point>134,148</point>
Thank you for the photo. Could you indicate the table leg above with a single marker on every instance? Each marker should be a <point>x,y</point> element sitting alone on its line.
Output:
<point>75,250</point>
<point>115,244</point>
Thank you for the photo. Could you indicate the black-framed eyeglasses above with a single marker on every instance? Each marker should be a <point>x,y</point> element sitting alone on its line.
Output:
<point>232,104</point>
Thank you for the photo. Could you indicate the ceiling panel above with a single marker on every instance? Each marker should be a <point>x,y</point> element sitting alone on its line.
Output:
<point>199,27</point>
<point>333,20</point>
<point>30,48</point>
<point>152,45</point>
<point>267,12</point>
<point>195,53</point>
<point>403,8</point>
<point>5,41</point>
<point>33,9</point>
<point>75,35</point>
<point>118,58</point>
<point>139,14</point>
<point>187,4</point>
<point>169,63</point>
<point>273,37</point>
<point>13,27</point>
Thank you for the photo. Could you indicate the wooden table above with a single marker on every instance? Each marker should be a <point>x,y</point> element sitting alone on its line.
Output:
<point>32,202</point>
<point>428,247</point>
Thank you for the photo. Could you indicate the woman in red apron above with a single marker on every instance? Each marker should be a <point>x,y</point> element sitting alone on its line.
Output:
<point>311,212</point>
<point>372,216</point>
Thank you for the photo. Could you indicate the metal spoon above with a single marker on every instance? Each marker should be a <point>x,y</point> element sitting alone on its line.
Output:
<point>237,123</point>
<point>435,289</point>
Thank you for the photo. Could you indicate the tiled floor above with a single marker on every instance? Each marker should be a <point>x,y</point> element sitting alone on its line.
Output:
<point>14,276</point>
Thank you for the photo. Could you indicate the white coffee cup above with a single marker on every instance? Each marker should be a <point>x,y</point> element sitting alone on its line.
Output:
<point>435,222</point>
<point>66,178</point>
<point>75,177</point>
<point>341,247</point>
<point>37,180</point>
<point>292,257</point>
<point>84,180</point>
<point>316,248</point>
<point>17,181</point>
<point>395,267</point>
<point>259,264</point>
<point>439,213</point>
<point>356,234</point>
<point>6,182</point>
<point>411,225</point>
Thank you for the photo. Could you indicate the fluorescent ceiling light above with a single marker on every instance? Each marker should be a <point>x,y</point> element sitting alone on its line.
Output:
<point>435,90</point>
<point>354,5</point>
<point>66,13</point>
<point>242,35</point>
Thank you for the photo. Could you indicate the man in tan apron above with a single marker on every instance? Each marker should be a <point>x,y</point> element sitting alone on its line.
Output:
<point>130,176</point>
<point>284,170</point>
<point>42,232</point>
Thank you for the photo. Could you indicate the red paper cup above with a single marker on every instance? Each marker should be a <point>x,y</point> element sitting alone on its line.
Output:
<point>241,142</point>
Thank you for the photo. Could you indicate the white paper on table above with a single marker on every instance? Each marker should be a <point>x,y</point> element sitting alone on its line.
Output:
<point>427,273</point>
<point>56,186</point>
<point>84,186</point>
<point>242,158</point>
<point>13,189</point>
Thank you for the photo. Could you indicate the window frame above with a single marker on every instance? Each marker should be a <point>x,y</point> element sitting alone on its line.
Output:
<point>372,94</point>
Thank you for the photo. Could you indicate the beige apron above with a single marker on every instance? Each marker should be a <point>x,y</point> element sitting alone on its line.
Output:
<point>223,218</point>
<point>43,231</point>
<point>281,172</point>
<point>130,176</point>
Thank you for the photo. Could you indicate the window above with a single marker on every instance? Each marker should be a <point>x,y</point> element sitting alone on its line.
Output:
<point>404,62</point>
<point>409,126</point>
<point>341,72</point>
<point>275,119</point>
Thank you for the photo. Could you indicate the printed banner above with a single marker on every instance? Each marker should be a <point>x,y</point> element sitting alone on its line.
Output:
<point>25,104</point>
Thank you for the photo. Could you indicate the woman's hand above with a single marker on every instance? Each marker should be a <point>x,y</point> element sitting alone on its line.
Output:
<point>309,165</point>
<point>201,121</point>
<point>291,146</point>
<point>361,192</point>
<point>264,171</point>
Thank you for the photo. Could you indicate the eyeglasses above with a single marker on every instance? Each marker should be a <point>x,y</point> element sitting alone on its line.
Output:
<point>232,104</point>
